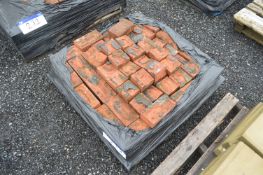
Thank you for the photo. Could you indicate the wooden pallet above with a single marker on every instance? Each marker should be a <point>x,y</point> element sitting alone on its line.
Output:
<point>194,141</point>
<point>249,21</point>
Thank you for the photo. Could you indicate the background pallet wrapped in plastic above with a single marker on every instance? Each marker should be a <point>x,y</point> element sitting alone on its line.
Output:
<point>212,7</point>
<point>128,146</point>
<point>66,20</point>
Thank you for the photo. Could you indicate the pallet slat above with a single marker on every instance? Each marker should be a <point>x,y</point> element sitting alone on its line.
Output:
<point>196,137</point>
<point>206,158</point>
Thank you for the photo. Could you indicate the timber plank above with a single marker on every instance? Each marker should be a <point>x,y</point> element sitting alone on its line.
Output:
<point>196,137</point>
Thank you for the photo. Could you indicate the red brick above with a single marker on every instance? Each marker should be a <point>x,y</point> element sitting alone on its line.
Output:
<point>164,36</point>
<point>171,64</point>
<point>84,42</point>
<point>106,113</point>
<point>134,52</point>
<point>159,43</point>
<point>95,57</point>
<point>168,86</point>
<point>112,75</point>
<point>157,111</point>
<point>109,47</point>
<point>96,84</point>
<point>124,41</point>
<point>87,96</point>
<point>128,90</point>
<point>144,31</point>
<point>153,93</point>
<point>181,77</point>
<point>139,125</point>
<point>78,63</point>
<point>147,44</point>
<point>140,103</point>
<point>122,110</point>
<point>172,50</point>
<point>158,54</point>
<point>142,79</point>
<point>192,69</point>
<point>155,68</point>
<point>75,79</point>
<point>152,28</point>
<point>186,56</point>
<point>106,36</point>
<point>72,52</point>
<point>180,58</point>
<point>123,27</point>
<point>69,67</point>
<point>129,68</point>
<point>177,96</point>
<point>118,58</point>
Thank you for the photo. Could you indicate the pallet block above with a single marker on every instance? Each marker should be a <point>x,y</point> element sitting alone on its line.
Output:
<point>249,21</point>
<point>236,135</point>
<point>234,161</point>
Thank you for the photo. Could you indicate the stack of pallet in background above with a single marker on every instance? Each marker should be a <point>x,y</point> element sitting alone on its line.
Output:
<point>249,21</point>
<point>65,21</point>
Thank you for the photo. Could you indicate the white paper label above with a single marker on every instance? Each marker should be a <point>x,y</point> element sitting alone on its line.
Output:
<point>32,23</point>
<point>114,145</point>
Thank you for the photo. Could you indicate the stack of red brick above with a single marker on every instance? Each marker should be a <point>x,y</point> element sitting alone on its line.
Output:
<point>132,74</point>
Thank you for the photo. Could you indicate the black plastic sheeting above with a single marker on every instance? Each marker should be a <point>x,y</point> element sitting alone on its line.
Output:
<point>212,7</point>
<point>128,146</point>
<point>65,21</point>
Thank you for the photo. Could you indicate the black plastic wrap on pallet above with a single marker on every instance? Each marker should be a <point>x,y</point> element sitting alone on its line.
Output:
<point>65,21</point>
<point>128,146</point>
<point>212,7</point>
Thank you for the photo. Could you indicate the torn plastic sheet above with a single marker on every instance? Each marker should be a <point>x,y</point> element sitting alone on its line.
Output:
<point>128,146</point>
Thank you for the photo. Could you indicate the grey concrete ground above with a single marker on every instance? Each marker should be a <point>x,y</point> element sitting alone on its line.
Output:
<point>40,133</point>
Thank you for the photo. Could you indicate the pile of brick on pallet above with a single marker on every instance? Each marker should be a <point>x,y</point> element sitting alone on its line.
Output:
<point>133,75</point>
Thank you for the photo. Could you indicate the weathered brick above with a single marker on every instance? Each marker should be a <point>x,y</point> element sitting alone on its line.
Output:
<point>112,75</point>
<point>177,96</point>
<point>128,90</point>
<point>84,42</point>
<point>87,96</point>
<point>129,68</point>
<point>180,58</point>
<point>106,36</point>
<point>152,28</point>
<point>158,54</point>
<point>155,68</point>
<point>94,57</point>
<point>144,31</point>
<point>118,58</point>
<point>72,52</point>
<point>109,47</point>
<point>75,79</point>
<point>140,103</point>
<point>171,64</point>
<point>153,93</point>
<point>78,63</point>
<point>124,41</point>
<point>181,77</point>
<point>159,43</point>
<point>158,110</point>
<point>164,36</point>
<point>136,38</point>
<point>106,113</point>
<point>147,44</point>
<point>168,86</point>
<point>134,52</point>
<point>186,56</point>
<point>122,110</point>
<point>139,125</point>
<point>142,79</point>
<point>96,84</point>
<point>172,50</point>
<point>123,27</point>
<point>192,69</point>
